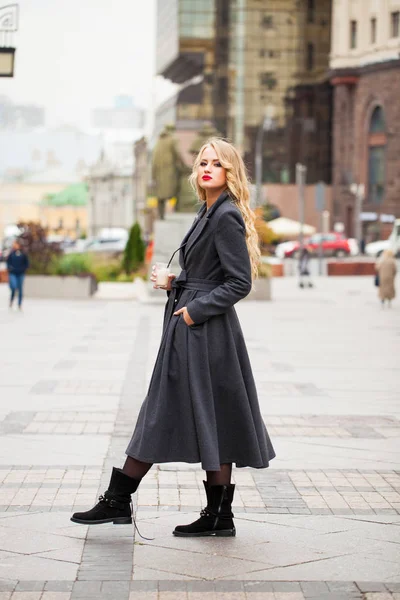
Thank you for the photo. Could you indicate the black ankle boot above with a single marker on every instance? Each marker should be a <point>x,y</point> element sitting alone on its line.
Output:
<point>115,504</point>
<point>217,518</point>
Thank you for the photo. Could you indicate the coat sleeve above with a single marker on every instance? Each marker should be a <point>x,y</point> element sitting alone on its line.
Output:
<point>232,251</point>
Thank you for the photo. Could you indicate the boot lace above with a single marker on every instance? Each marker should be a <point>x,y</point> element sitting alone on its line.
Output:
<point>110,501</point>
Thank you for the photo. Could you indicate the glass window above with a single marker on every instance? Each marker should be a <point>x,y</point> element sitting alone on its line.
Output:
<point>376,174</point>
<point>268,80</point>
<point>310,11</point>
<point>267,22</point>
<point>395,24</point>
<point>373,31</point>
<point>377,123</point>
<point>353,34</point>
<point>310,56</point>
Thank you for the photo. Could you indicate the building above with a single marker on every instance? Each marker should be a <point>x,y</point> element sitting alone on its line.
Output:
<point>20,116</point>
<point>123,115</point>
<point>110,196</point>
<point>235,60</point>
<point>365,73</point>
<point>54,197</point>
<point>24,153</point>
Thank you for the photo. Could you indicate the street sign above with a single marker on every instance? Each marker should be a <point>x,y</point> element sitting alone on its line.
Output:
<point>320,196</point>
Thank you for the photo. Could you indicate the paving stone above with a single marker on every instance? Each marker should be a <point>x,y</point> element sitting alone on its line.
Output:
<point>59,586</point>
<point>30,586</point>
<point>371,586</point>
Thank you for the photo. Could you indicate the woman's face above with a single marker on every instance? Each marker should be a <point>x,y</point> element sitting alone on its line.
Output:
<point>211,175</point>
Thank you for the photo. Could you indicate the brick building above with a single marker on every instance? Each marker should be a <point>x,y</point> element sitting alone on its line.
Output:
<point>365,73</point>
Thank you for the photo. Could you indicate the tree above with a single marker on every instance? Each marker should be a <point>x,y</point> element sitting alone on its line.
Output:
<point>33,239</point>
<point>134,250</point>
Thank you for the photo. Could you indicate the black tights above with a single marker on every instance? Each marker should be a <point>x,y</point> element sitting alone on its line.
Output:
<point>138,469</point>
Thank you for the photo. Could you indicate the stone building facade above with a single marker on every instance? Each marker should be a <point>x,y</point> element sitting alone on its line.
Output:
<point>111,200</point>
<point>365,73</point>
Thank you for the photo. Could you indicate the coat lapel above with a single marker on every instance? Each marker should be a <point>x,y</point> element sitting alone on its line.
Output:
<point>200,228</point>
<point>200,213</point>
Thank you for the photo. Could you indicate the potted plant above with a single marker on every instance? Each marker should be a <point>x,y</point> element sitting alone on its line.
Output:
<point>51,273</point>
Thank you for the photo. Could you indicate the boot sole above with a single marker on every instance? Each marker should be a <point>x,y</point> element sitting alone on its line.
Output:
<point>221,533</point>
<point>117,521</point>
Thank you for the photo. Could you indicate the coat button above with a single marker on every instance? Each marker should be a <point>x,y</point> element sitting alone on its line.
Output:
<point>175,301</point>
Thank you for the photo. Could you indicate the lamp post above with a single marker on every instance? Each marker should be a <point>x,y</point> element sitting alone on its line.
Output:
<point>8,24</point>
<point>266,125</point>
<point>358,191</point>
<point>240,68</point>
<point>301,172</point>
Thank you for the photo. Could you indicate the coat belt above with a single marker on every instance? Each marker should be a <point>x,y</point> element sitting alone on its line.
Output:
<point>188,283</point>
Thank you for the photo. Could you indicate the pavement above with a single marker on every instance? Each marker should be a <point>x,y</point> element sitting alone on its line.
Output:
<point>322,523</point>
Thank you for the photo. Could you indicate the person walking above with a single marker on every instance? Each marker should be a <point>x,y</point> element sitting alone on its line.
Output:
<point>386,270</point>
<point>202,403</point>
<point>17,264</point>
<point>305,279</point>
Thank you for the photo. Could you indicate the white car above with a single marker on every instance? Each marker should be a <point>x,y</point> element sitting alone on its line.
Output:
<point>281,249</point>
<point>375,249</point>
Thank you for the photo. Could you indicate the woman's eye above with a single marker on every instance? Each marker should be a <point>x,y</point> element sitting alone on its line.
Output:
<point>218,164</point>
<point>203,163</point>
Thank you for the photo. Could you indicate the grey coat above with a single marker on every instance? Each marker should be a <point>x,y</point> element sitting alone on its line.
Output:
<point>202,402</point>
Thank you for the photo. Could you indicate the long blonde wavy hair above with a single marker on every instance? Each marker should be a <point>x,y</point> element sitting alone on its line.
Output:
<point>238,187</point>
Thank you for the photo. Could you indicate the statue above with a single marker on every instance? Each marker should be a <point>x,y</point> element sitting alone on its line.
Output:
<point>167,168</point>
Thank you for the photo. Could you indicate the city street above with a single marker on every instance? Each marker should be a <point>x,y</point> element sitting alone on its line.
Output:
<point>322,523</point>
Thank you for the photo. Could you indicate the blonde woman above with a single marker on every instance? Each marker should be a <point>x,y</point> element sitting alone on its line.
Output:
<point>202,402</point>
<point>386,269</point>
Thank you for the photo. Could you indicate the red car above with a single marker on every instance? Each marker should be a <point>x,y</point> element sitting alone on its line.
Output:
<point>333,244</point>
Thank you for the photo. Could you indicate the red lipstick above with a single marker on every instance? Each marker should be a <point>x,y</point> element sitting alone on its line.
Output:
<point>206,178</point>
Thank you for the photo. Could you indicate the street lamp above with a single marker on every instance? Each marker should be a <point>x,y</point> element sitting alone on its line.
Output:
<point>8,24</point>
<point>266,125</point>
<point>358,191</point>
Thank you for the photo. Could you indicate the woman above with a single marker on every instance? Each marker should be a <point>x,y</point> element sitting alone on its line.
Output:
<point>386,269</point>
<point>17,264</point>
<point>202,402</point>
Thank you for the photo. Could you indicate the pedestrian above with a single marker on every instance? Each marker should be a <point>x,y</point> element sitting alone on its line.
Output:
<point>386,270</point>
<point>17,264</point>
<point>305,280</point>
<point>202,402</point>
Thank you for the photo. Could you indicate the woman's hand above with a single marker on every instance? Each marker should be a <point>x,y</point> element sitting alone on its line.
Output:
<point>184,311</point>
<point>167,287</point>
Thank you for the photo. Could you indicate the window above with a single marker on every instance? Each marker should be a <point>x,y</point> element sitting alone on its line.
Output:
<point>376,156</point>
<point>395,24</point>
<point>268,53</point>
<point>373,30</point>
<point>268,80</point>
<point>267,22</point>
<point>353,34</point>
<point>310,56</point>
<point>310,11</point>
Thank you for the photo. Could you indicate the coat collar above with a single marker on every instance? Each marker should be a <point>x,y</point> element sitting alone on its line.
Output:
<point>205,215</point>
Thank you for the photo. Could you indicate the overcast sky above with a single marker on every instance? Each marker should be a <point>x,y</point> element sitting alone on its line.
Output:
<point>75,55</point>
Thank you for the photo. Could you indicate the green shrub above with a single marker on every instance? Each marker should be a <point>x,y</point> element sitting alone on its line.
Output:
<point>134,250</point>
<point>73,264</point>
<point>106,270</point>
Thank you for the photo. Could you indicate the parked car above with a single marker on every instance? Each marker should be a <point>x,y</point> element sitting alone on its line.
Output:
<point>375,249</point>
<point>333,244</point>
